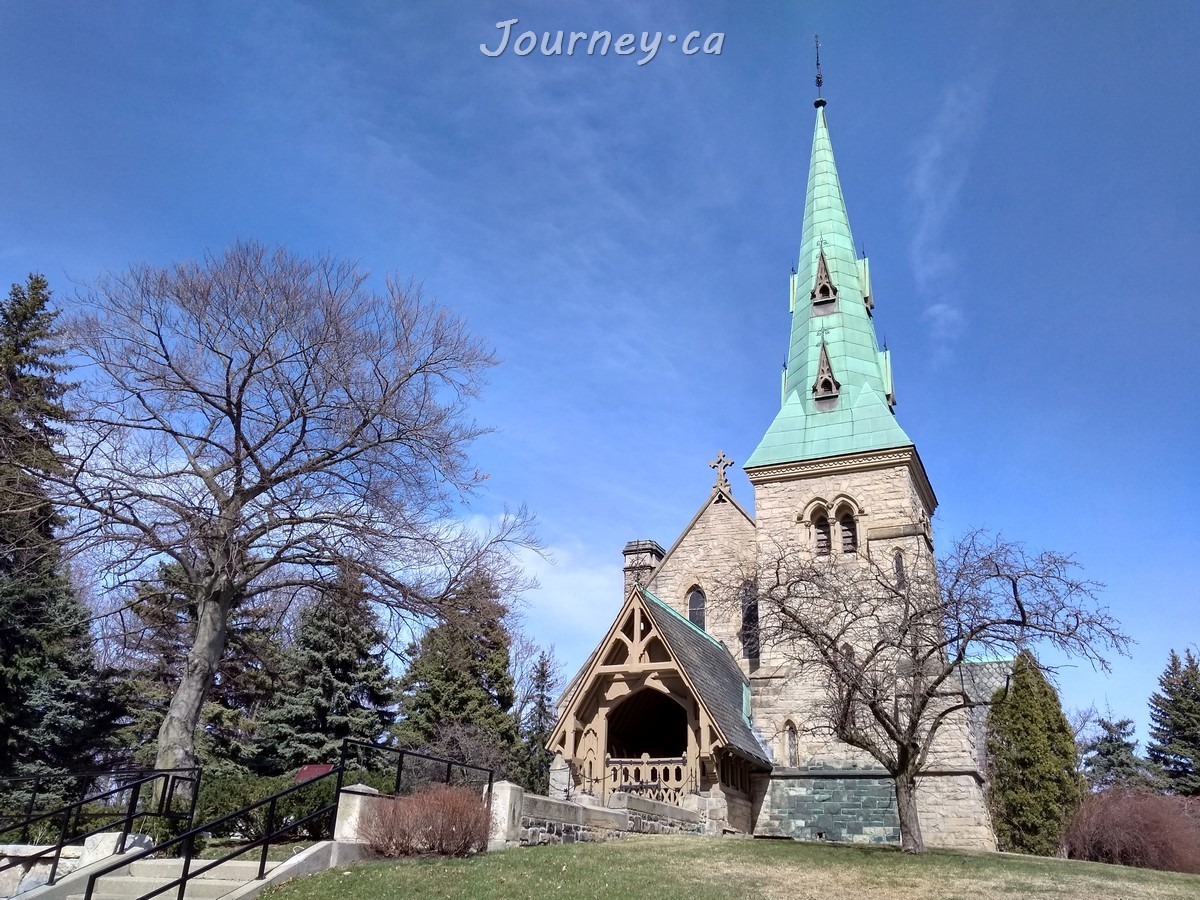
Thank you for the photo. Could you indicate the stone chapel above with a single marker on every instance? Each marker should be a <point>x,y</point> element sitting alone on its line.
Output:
<point>679,701</point>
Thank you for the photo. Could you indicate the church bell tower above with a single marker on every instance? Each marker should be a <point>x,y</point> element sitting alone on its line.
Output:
<point>835,471</point>
<point>836,477</point>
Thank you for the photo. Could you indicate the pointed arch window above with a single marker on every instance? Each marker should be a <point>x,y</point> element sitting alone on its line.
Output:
<point>792,742</point>
<point>824,537</point>
<point>750,642</point>
<point>823,290</point>
<point>696,605</point>
<point>898,569</point>
<point>849,530</point>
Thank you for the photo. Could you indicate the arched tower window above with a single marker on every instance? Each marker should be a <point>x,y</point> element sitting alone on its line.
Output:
<point>849,533</point>
<point>898,569</point>
<point>822,531</point>
<point>792,741</point>
<point>696,607</point>
<point>750,643</point>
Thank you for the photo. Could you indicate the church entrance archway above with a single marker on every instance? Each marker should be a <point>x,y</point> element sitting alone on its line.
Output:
<point>647,723</point>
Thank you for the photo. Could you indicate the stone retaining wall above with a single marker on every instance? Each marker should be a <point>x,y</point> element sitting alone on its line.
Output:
<point>521,820</point>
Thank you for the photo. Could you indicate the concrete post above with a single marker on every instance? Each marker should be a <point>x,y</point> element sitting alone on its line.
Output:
<point>507,800</point>
<point>560,778</point>
<point>351,807</point>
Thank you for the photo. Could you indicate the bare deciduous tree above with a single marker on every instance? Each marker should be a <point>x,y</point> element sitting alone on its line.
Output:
<point>525,655</point>
<point>257,418</point>
<point>890,645</point>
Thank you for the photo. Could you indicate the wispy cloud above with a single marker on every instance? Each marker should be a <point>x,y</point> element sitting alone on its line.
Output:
<point>941,163</point>
<point>576,599</point>
<point>945,320</point>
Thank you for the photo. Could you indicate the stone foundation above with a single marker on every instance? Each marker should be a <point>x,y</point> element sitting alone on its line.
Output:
<point>854,805</point>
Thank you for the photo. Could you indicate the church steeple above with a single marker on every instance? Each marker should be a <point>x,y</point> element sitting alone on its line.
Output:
<point>831,331</point>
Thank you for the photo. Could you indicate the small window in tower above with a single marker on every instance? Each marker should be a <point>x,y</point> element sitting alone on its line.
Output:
<point>749,625</point>
<point>696,607</point>
<point>821,527</point>
<point>793,746</point>
<point>849,533</point>
<point>898,567</point>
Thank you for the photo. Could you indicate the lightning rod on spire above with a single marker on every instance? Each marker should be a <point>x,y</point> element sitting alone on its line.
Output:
<point>819,102</point>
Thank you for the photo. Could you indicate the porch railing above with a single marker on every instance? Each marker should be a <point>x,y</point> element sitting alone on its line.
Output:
<point>668,779</point>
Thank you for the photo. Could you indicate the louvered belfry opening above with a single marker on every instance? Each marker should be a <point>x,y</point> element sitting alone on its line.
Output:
<point>821,527</point>
<point>849,529</point>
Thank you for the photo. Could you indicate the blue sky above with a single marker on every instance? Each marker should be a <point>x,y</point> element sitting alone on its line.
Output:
<point>1022,175</point>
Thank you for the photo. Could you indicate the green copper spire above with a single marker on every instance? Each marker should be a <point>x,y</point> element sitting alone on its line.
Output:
<point>837,389</point>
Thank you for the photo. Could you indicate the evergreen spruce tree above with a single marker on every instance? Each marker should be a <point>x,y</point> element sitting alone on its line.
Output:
<point>539,722</point>
<point>53,712</point>
<point>457,696</point>
<point>1110,758</point>
<point>1175,724</point>
<point>1034,787</point>
<point>333,682</point>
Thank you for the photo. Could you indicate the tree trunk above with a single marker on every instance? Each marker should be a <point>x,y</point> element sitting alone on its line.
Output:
<point>177,736</point>
<point>910,824</point>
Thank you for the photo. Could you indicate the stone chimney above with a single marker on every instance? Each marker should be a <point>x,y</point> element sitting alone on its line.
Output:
<point>641,559</point>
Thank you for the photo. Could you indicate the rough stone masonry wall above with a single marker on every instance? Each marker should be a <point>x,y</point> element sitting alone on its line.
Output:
<point>707,556</point>
<point>522,820</point>
<point>951,805</point>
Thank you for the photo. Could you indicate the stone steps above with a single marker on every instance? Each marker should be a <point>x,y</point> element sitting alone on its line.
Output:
<point>141,877</point>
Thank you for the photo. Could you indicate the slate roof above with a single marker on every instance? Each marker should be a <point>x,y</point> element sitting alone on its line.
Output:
<point>714,674</point>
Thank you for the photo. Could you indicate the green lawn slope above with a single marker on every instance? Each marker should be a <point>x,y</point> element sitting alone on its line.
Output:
<point>666,868</point>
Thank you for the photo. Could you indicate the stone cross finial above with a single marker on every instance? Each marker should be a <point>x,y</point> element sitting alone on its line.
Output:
<point>721,463</point>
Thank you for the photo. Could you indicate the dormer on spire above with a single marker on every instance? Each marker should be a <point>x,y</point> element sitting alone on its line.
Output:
<point>824,290</point>
<point>826,387</point>
<point>864,282</point>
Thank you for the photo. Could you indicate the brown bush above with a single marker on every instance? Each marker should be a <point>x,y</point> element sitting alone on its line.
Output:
<point>438,821</point>
<point>1134,828</point>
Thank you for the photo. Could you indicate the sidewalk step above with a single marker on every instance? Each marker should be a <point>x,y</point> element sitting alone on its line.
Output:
<point>243,869</point>
<point>128,887</point>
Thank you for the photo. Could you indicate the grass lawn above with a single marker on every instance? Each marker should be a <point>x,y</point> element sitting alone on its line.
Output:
<point>680,868</point>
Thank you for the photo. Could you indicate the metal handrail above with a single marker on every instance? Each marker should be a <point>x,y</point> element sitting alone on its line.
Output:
<point>401,753</point>
<point>66,833</point>
<point>187,839</point>
<point>37,781</point>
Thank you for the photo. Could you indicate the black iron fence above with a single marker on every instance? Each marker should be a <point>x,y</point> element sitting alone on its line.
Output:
<point>135,798</point>
<point>24,796</point>
<point>400,772</point>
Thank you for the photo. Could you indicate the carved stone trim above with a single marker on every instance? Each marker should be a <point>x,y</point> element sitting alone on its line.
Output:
<point>912,529</point>
<point>856,462</point>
